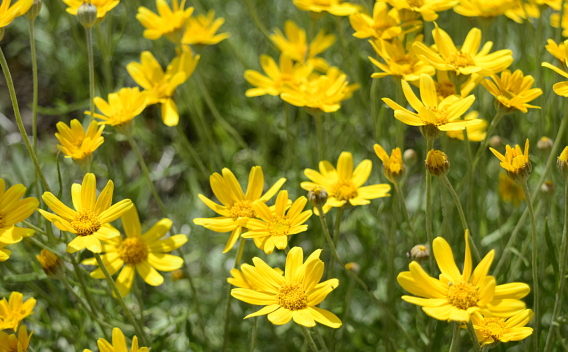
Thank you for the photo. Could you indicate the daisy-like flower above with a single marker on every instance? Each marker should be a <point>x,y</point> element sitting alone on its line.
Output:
<point>272,229</point>
<point>509,190</point>
<point>122,107</point>
<point>345,186</point>
<point>15,343</point>
<point>103,6</point>
<point>426,8</point>
<point>431,116</point>
<point>483,8</point>
<point>161,86</point>
<point>468,59</point>
<point>13,311</point>
<point>393,166</point>
<point>557,50</point>
<point>139,252</point>
<point>293,295</point>
<point>562,163</point>
<point>118,344</point>
<point>399,62</point>
<point>321,93</point>
<point>276,77</point>
<point>295,45</point>
<point>237,207</point>
<point>560,88</point>
<point>168,22</point>
<point>490,330</point>
<point>13,210</point>
<point>335,7</point>
<point>515,162</point>
<point>9,13</point>
<point>239,280</point>
<point>50,263</point>
<point>78,144</point>
<point>456,296</point>
<point>518,11</point>
<point>385,24</point>
<point>91,217</point>
<point>202,30</point>
<point>475,133</point>
<point>513,91</point>
<point>445,87</point>
<point>555,20</point>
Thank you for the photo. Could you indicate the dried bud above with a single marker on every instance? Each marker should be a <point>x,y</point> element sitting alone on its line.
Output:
<point>437,163</point>
<point>410,157</point>
<point>419,253</point>
<point>87,15</point>
<point>50,263</point>
<point>318,197</point>
<point>495,142</point>
<point>548,187</point>
<point>354,267</point>
<point>33,12</point>
<point>562,163</point>
<point>177,275</point>
<point>545,145</point>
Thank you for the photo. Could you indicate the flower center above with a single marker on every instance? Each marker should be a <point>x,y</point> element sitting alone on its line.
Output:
<point>133,251</point>
<point>459,59</point>
<point>242,209</point>
<point>493,327</point>
<point>344,190</point>
<point>279,226</point>
<point>86,223</point>
<point>463,295</point>
<point>508,94</point>
<point>162,91</point>
<point>292,296</point>
<point>395,167</point>
<point>415,3</point>
<point>445,89</point>
<point>441,115</point>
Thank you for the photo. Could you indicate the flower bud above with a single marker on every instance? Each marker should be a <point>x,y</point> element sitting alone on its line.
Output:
<point>87,15</point>
<point>50,263</point>
<point>318,197</point>
<point>34,10</point>
<point>419,253</point>
<point>354,267</point>
<point>544,145</point>
<point>495,142</point>
<point>177,275</point>
<point>430,132</point>
<point>410,157</point>
<point>562,163</point>
<point>548,187</point>
<point>437,163</point>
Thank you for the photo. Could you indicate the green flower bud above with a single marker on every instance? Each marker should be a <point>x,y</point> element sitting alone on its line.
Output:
<point>87,15</point>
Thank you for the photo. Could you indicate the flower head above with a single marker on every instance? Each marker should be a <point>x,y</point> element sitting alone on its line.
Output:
<point>202,30</point>
<point>483,8</point>
<point>237,207</point>
<point>509,190</point>
<point>513,91</point>
<point>160,86</point>
<point>419,253</point>
<point>437,163</point>
<point>122,107</point>
<point>562,163</point>
<point>493,330</point>
<point>293,295</point>
<point>456,296</point>
<point>555,20</point>
<point>560,88</point>
<point>91,217</point>
<point>139,252</point>
<point>345,185</point>
<point>272,228</point>
<point>516,162</point>
<point>50,263</point>
<point>466,60</point>
<point>426,8</point>
<point>78,144</point>
<point>393,166</point>
<point>103,6</point>
<point>445,87</point>
<point>318,196</point>
<point>385,24</point>
<point>557,50</point>
<point>9,13</point>
<point>15,343</point>
<point>335,7</point>
<point>13,311</point>
<point>239,279</point>
<point>169,22</point>
<point>118,343</point>
<point>475,133</point>
<point>288,74</point>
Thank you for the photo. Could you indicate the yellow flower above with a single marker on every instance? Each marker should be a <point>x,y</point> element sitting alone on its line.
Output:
<point>445,87</point>
<point>237,207</point>
<point>12,312</point>
<point>139,252</point>
<point>239,279</point>
<point>513,91</point>
<point>15,343</point>
<point>9,13</point>
<point>509,190</point>
<point>335,7</point>
<point>272,229</point>
<point>562,163</point>
<point>554,4</point>
<point>437,163</point>
<point>91,217</point>
<point>168,22</point>
<point>456,296</point>
<point>515,162</point>
<point>557,50</point>
<point>121,109</point>
<point>560,88</point>
<point>295,46</point>
<point>76,143</point>
<point>321,93</point>
<point>385,24</point>
<point>345,185</point>
<point>475,133</point>
<point>433,117</point>
<point>50,263</point>
<point>399,62</point>
<point>483,8</point>
<point>425,8</point>
<point>277,77</point>
<point>118,344</point>
<point>103,6</point>
<point>555,20</point>
<point>201,30</point>
<point>468,59</point>
<point>293,295</point>
<point>491,330</point>
<point>161,86</point>
<point>13,210</point>
<point>393,166</point>
<point>518,11</point>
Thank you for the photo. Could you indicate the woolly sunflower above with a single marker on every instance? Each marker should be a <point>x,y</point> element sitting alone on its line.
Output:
<point>78,144</point>
<point>13,311</point>
<point>426,8</point>
<point>122,107</point>
<point>15,343</point>
<point>483,8</point>
<point>555,20</point>
<point>9,13</point>
<point>385,24</point>
<point>393,166</point>
<point>118,344</point>
<point>169,22</point>
<point>335,7</point>
<point>515,162</point>
<point>239,279</point>
<point>557,50</point>
<point>202,30</point>
<point>276,77</point>
<point>513,91</point>
<point>560,88</point>
<point>491,330</point>
<point>103,6</point>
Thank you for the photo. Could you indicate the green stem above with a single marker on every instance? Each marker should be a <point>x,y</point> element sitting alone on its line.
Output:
<point>34,106</point>
<point>228,302</point>
<point>429,146</point>
<point>254,332</point>
<point>308,338</point>
<point>320,339</point>
<point>196,159</point>
<point>129,316</point>
<point>416,239</point>
<point>319,128</point>
<point>105,55</point>
<point>455,338</point>
<point>261,27</point>
<point>91,71</point>
<point>470,196</point>
<point>338,217</point>
<point>473,336</point>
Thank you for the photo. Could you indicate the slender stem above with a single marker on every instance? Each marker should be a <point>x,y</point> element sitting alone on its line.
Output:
<point>228,302</point>
<point>254,332</point>
<point>129,316</point>
<point>429,146</point>
<point>19,121</point>
<point>320,339</point>
<point>534,263</point>
<point>319,129</point>
<point>308,338</point>
<point>261,27</point>
<point>473,336</point>
<point>85,289</point>
<point>416,239</point>
<point>196,159</point>
<point>105,55</point>
<point>34,106</point>
<point>562,281</point>
<point>338,217</point>
<point>455,338</point>
<point>91,71</point>
<point>470,196</point>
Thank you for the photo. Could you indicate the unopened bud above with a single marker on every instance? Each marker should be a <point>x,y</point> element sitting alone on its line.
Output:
<point>318,197</point>
<point>437,163</point>
<point>50,263</point>
<point>87,15</point>
<point>545,145</point>
<point>419,253</point>
<point>562,163</point>
<point>410,157</point>
<point>548,187</point>
<point>33,12</point>
<point>495,142</point>
<point>177,275</point>
<point>354,267</point>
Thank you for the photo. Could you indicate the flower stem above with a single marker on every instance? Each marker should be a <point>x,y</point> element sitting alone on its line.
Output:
<point>319,128</point>
<point>455,338</point>
<point>261,27</point>
<point>228,302</point>
<point>473,336</point>
<point>320,339</point>
<point>534,263</point>
<point>429,146</point>
<point>34,106</point>
<point>254,331</point>
<point>416,239</point>
<point>338,217</point>
<point>196,159</point>
<point>116,292</point>
<point>104,55</point>
<point>91,71</point>
<point>470,196</point>
<point>308,338</point>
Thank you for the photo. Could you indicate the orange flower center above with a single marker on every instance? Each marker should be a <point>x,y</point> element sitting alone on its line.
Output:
<point>292,296</point>
<point>279,226</point>
<point>133,251</point>
<point>85,223</point>
<point>493,328</point>
<point>445,89</point>
<point>344,190</point>
<point>415,3</point>
<point>242,209</point>
<point>442,117</point>
<point>162,91</point>
<point>463,295</point>
<point>459,59</point>
<point>405,65</point>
